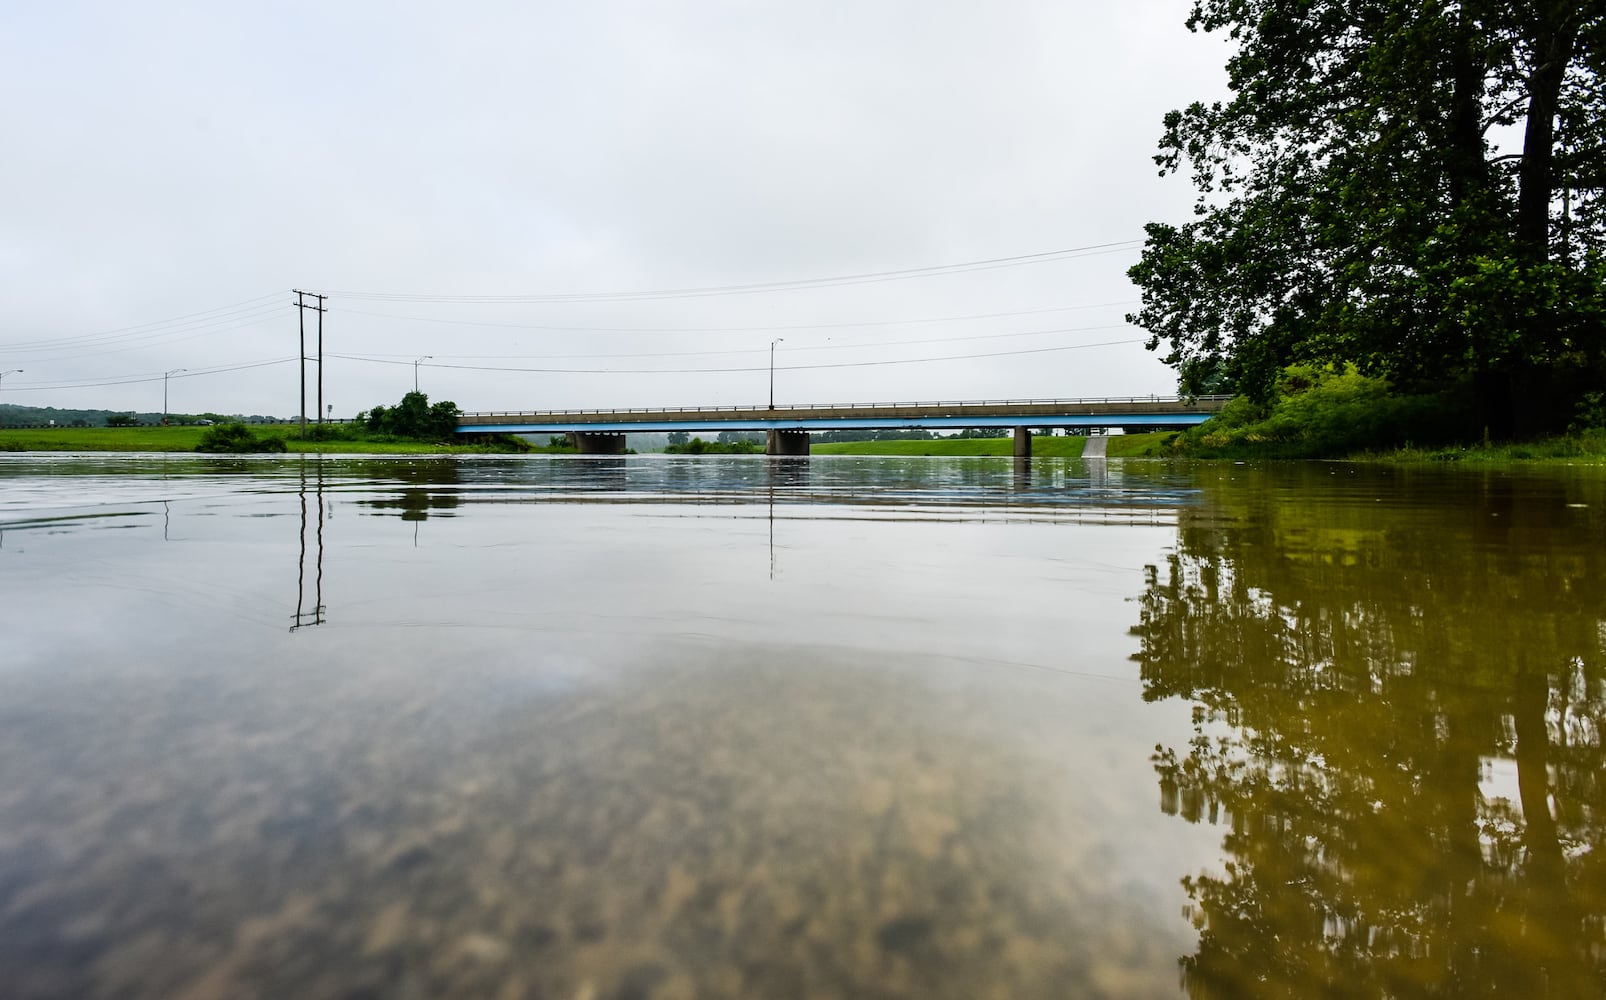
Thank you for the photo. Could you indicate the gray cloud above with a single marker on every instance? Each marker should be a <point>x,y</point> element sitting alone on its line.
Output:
<point>171,158</point>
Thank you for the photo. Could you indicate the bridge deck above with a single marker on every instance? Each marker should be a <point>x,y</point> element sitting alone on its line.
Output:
<point>1131,411</point>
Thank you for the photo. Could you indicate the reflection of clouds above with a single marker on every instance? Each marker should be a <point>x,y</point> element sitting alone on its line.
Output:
<point>585,747</point>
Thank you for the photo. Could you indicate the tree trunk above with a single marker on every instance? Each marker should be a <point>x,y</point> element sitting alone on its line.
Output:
<point>1555,36</point>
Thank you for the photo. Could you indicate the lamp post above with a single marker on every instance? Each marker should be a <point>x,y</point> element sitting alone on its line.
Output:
<point>165,377</point>
<point>426,357</point>
<point>777,340</point>
<point>14,371</point>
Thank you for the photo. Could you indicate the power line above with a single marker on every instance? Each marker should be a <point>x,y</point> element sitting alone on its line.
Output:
<point>756,368</point>
<point>137,379</point>
<point>152,328</point>
<point>992,263</point>
<point>735,329</point>
<point>761,350</point>
<point>276,313</point>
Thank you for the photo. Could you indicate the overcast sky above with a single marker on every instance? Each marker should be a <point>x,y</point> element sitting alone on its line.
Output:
<point>173,170</point>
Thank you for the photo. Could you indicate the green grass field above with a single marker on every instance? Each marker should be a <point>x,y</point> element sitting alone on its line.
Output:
<point>1148,445</point>
<point>1586,448</point>
<point>186,438</point>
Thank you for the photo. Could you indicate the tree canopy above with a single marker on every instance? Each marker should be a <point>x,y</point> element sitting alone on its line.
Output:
<point>1415,188</point>
<point>413,418</point>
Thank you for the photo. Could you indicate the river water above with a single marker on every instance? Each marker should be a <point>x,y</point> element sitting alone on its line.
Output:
<point>667,727</point>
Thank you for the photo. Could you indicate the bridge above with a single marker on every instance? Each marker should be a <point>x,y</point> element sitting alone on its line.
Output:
<point>601,432</point>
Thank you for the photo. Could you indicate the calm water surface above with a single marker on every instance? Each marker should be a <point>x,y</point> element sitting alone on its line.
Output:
<point>652,727</point>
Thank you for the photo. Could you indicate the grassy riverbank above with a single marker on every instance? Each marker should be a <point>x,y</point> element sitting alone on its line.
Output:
<point>186,438</point>
<point>1587,448</point>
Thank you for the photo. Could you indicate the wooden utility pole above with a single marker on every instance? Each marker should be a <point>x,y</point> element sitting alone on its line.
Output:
<point>302,306</point>
<point>301,320</point>
<point>321,311</point>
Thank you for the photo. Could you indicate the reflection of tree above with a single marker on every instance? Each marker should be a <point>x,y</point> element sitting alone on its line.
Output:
<point>426,485</point>
<point>414,505</point>
<point>1359,667</point>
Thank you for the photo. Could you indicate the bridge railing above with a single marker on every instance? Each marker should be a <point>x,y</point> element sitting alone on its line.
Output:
<point>649,410</point>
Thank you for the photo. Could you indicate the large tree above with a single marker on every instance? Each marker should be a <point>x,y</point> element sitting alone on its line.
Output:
<point>1415,187</point>
<point>413,418</point>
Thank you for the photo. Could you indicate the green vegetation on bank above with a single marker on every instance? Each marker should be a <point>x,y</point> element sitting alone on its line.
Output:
<point>697,446</point>
<point>1332,412</point>
<point>335,440</point>
<point>1584,448</point>
<point>1359,203</point>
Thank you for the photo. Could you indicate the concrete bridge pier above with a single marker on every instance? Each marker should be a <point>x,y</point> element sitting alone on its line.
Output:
<point>794,443</point>
<point>1023,442</point>
<point>597,442</point>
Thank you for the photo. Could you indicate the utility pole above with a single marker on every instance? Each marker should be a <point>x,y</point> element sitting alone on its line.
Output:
<point>165,377</point>
<point>321,311</point>
<point>426,357</point>
<point>777,340</point>
<point>302,306</point>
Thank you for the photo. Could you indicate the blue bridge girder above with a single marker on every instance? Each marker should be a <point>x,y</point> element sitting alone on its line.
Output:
<point>1131,411</point>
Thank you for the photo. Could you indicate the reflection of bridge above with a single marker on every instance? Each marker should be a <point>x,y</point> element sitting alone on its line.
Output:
<point>602,431</point>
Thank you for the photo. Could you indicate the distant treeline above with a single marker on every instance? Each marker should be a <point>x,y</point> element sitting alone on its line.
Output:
<point>53,416</point>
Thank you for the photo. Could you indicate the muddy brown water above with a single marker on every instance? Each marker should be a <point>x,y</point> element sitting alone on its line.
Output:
<point>654,727</point>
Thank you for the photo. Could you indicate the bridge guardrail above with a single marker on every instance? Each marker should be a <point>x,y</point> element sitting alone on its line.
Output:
<point>1087,401</point>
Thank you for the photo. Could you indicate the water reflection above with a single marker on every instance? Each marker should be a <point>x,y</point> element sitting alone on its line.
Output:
<point>579,748</point>
<point>303,617</point>
<point>1399,691</point>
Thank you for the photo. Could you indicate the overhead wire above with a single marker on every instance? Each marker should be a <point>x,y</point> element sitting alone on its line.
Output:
<point>754,368</point>
<point>734,329</point>
<point>154,327</point>
<point>754,350</point>
<point>260,309</point>
<point>868,277</point>
<point>137,379</point>
<point>164,339</point>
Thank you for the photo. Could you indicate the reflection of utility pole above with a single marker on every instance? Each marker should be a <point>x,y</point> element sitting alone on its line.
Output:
<point>301,312</point>
<point>302,617</point>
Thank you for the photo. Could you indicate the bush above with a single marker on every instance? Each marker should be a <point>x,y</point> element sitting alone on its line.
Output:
<point>237,439</point>
<point>697,446</point>
<point>413,419</point>
<point>1320,412</point>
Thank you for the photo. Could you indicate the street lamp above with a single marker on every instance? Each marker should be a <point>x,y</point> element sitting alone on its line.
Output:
<point>427,357</point>
<point>777,340</point>
<point>165,377</point>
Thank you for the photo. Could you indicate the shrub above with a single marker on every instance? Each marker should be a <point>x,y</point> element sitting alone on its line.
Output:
<point>1320,411</point>
<point>236,439</point>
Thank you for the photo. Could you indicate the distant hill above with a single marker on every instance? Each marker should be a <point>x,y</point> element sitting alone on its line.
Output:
<point>12,415</point>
